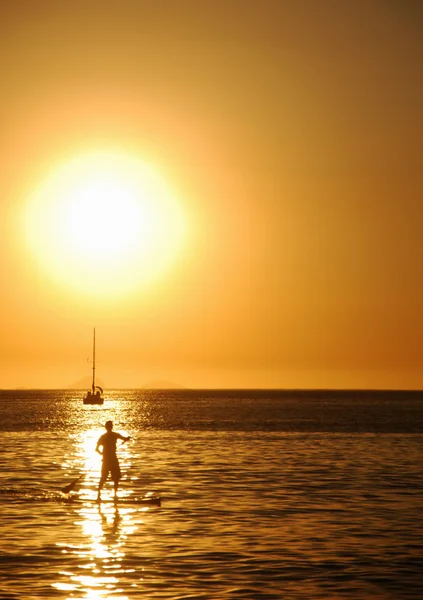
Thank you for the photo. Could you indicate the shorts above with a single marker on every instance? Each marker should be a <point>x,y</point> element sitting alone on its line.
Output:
<point>112,467</point>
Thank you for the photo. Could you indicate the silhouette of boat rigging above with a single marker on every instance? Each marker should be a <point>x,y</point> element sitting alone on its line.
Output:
<point>95,394</point>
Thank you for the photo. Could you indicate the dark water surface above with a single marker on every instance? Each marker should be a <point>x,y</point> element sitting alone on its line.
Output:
<point>296,495</point>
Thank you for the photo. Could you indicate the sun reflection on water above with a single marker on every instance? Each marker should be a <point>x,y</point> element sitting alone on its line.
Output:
<point>104,528</point>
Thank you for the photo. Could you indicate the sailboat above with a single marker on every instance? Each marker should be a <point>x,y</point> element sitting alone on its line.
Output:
<point>94,395</point>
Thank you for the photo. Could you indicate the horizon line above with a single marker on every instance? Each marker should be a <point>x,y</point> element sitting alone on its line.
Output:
<point>235,388</point>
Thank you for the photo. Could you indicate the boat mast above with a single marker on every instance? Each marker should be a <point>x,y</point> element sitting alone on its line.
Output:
<point>94,361</point>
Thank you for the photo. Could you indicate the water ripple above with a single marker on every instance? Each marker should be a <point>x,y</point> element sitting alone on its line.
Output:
<point>244,515</point>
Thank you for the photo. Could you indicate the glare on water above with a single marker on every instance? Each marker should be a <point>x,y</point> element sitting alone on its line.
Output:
<point>105,527</point>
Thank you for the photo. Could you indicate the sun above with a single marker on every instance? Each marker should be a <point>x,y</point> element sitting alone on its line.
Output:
<point>104,223</point>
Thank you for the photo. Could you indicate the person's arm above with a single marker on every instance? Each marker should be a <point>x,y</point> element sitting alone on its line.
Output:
<point>124,438</point>
<point>97,448</point>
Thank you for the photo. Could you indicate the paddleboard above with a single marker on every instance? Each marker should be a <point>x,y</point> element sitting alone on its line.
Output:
<point>149,501</point>
<point>17,496</point>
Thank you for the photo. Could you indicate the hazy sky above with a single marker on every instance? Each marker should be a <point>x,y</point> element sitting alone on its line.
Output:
<point>290,134</point>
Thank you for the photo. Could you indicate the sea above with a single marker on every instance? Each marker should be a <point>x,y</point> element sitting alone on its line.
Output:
<point>264,494</point>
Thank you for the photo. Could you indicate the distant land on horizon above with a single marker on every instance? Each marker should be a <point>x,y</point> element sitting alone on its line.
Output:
<point>86,382</point>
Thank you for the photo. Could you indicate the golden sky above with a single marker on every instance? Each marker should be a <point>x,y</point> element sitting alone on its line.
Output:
<point>288,137</point>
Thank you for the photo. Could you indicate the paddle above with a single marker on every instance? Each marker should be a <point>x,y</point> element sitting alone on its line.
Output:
<point>71,486</point>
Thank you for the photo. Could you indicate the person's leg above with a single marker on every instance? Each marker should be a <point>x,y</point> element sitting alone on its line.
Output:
<point>116,475</point>
<point>103,479</point>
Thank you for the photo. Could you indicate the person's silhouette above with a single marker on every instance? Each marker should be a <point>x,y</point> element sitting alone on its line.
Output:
<point>110,462</point>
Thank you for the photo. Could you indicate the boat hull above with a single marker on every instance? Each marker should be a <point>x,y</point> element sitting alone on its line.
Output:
<point>93,399</point>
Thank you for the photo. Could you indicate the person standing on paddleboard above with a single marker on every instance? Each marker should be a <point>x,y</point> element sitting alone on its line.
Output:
<point>110,462</point>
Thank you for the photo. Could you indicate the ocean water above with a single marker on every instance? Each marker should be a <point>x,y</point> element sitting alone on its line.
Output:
<point>293,495</point>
